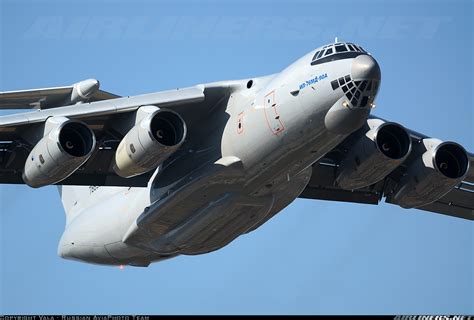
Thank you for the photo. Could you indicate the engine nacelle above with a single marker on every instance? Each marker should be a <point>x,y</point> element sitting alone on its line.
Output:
<point>374,156</point>
<point>150,142</point>
<point>442,166</point>
<point>65,146</point>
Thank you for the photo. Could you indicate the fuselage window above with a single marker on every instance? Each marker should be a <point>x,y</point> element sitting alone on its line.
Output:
<point>351,48</point>
<point>320,54</point>
<point>341,48</point>
<point>328,51</point>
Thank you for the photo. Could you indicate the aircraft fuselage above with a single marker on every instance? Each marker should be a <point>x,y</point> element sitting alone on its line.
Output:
<point>252,161</point>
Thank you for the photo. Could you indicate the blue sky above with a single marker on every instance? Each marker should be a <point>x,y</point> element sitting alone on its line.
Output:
<point>314,257</point>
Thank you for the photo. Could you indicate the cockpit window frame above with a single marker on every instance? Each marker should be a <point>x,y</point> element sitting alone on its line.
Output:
<point>316,54</point>
<point>340,48</point>
<point>329,53</point>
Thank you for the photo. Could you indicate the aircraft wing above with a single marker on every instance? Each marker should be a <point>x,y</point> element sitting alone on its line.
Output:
<point>459,202</point>
<point>101,116</point>
<point>45,98</point>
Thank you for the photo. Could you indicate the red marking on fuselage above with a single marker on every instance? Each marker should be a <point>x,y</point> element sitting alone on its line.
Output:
<point>272,116</point>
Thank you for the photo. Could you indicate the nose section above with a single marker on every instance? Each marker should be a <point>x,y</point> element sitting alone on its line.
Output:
<point>364,67</point>
<point>351,111</point>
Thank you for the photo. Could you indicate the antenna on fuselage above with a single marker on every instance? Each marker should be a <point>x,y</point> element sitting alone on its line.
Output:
<point>335,40</point>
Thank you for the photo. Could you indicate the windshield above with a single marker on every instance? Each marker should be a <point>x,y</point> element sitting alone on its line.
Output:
<point>337,51</point>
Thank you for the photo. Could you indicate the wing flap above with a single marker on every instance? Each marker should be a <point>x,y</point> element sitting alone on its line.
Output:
<point>459,202</point>
<point>321,186</point>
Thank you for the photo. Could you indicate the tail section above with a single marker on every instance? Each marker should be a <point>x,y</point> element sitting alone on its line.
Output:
<point>76,198</point>
<point>71,197</point>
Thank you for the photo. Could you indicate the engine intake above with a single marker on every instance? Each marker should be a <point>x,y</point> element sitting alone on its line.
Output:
<point>441,166</point>
<point>66,145</point>
<point>168,128</point>
<point>76,139</point>
<point>150,142</point>
<point>383,147</point>
<point>451,160</point>
<point>393,141</point>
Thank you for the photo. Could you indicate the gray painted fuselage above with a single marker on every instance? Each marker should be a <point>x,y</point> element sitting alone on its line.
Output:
<point>251,159</point>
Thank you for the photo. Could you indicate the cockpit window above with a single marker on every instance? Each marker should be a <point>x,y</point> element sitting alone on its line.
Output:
<point>341,48</point>
<point>316,55</point>
<point>337,51</point>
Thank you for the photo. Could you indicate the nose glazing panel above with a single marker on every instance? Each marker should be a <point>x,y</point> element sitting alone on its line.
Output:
<point>359,93</point>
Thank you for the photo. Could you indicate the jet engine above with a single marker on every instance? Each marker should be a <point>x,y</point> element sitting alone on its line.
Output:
<point>150,142</point>
<point>65,146</point>
<point>442,166</point>
<point>383,147</point>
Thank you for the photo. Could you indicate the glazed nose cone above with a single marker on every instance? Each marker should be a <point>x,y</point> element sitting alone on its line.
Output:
<point>364,67</point>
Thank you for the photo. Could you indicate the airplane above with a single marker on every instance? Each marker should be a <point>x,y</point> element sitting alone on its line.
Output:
<point>185,172</point>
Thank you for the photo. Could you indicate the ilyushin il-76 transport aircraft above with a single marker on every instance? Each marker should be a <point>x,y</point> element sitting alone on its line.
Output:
<point>185,172</point>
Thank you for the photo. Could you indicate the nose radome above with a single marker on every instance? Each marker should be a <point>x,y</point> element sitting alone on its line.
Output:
<point>365,67</point>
